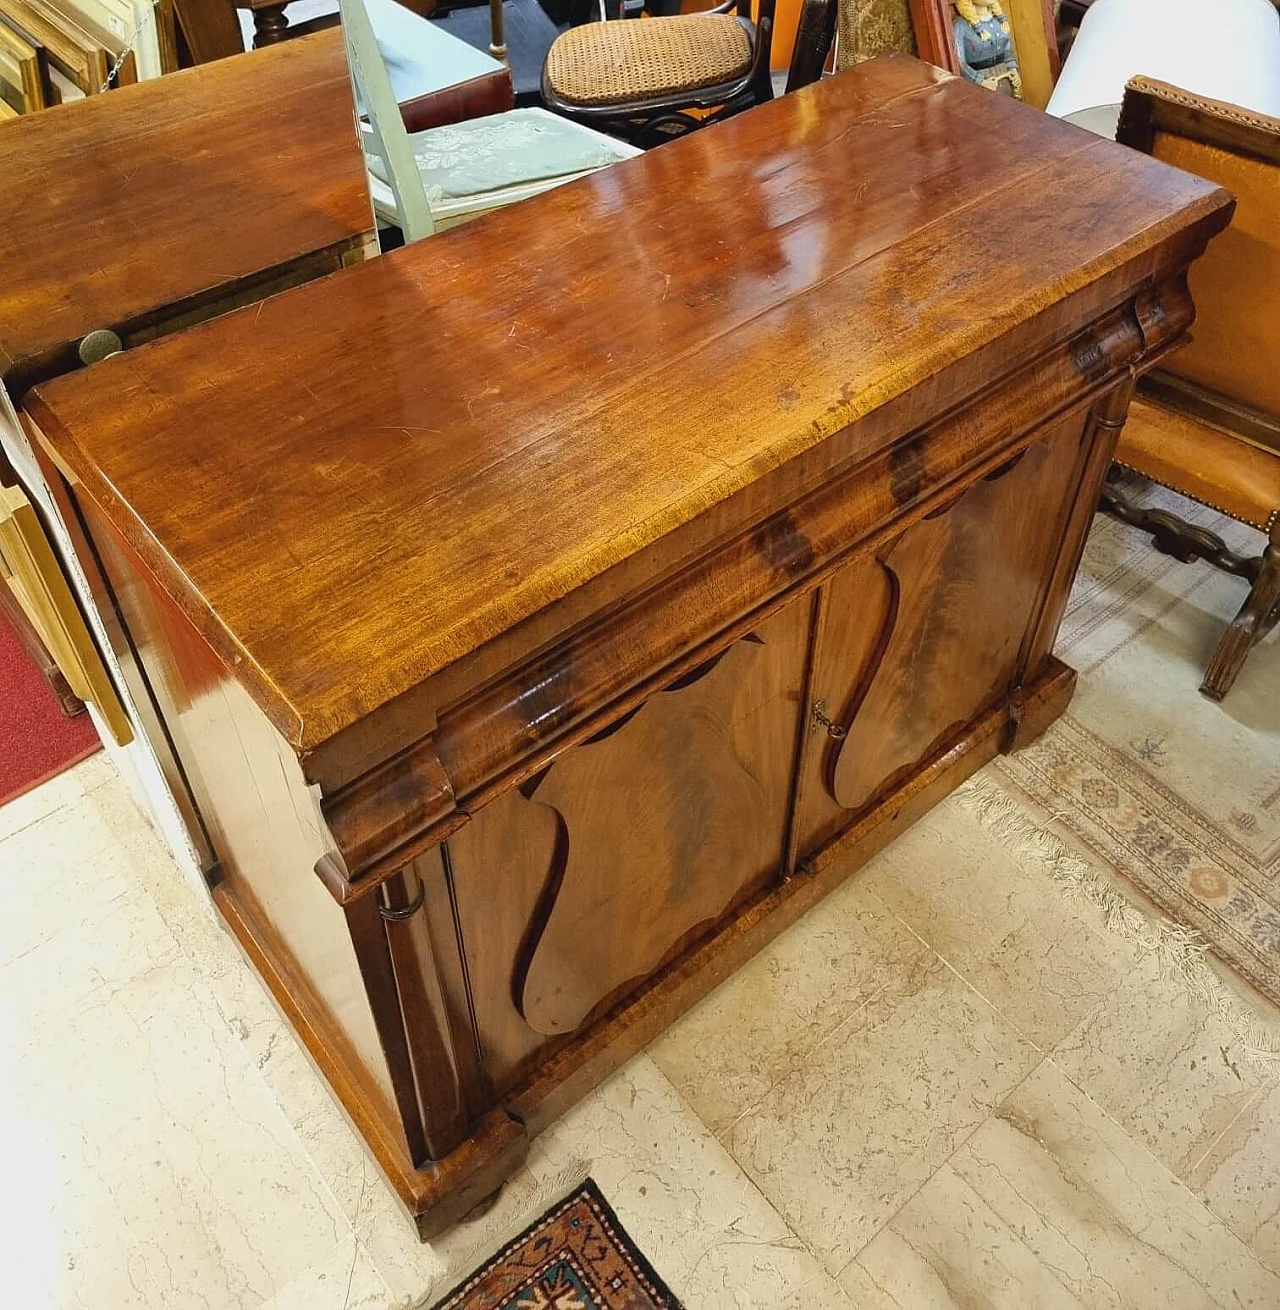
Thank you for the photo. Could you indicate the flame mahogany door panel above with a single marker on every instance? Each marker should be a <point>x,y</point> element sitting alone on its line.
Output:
<point>625,850</point>
<point>917,639</point>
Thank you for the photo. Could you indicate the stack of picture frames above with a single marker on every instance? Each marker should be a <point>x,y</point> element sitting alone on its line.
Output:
<point>1034,37</point>
<point>53,51</point>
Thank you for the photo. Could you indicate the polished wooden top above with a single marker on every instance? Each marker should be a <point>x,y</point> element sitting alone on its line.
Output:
<point>356,483</point>
<point>116,206</point>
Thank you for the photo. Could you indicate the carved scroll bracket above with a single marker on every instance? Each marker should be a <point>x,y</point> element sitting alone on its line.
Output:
<point>1164,313</point>
<point>375,820</point>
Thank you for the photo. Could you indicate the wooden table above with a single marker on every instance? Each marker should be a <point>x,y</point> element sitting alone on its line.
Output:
<point>147,210</point>
<point>540,610</point>
<point>175,199</point>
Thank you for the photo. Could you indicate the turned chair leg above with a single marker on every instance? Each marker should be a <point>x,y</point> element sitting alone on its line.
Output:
<point>270,24</point>
<point>1257,617</point>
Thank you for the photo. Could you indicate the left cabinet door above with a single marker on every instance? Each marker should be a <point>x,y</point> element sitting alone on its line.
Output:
<point>573,889</point>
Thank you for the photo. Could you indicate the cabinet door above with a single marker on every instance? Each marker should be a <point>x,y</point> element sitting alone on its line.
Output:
<point>626,850</point>
<point>919,639</point>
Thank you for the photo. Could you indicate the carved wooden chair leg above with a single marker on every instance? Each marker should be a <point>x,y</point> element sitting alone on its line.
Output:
<point>1188,543</point>
<point>1174,536</point>
<point>1257,617</point>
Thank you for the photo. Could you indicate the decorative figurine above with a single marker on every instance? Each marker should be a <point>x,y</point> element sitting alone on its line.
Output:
<point>984,43</point>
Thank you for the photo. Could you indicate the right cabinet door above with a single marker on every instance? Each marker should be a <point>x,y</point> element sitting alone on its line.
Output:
<point>920,638</point>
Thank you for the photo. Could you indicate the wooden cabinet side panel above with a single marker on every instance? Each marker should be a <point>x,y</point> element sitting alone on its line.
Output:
<point>260,816</point>
<point>142,706</point>
<point>574,889</point>
<point>923,637</point>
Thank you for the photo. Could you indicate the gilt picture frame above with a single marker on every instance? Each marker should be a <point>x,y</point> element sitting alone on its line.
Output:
<point>932,21</point>
<point>81,61</point>
<point>1035,35</point>
<point>22,77</point>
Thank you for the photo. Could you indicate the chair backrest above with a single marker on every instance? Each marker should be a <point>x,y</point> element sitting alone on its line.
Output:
<point>814,34</point>
<point>385,136</point>
<point>1235,351</point>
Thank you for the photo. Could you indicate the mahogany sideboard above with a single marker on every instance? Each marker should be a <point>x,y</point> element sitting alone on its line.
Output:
<point>548,613</point>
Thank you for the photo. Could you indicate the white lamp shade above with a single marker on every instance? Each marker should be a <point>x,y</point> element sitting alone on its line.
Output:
<point>1225,49</point>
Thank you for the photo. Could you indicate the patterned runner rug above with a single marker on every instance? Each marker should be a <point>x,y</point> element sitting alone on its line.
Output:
<point>1180,795</point>
<point>577,1256</point>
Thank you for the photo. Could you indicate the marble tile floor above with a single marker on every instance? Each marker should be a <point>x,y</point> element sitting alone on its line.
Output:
<point>949,1085</point>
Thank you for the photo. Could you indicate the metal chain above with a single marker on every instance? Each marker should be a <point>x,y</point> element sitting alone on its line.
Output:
<point>128,48</point>
<point>834,730</point>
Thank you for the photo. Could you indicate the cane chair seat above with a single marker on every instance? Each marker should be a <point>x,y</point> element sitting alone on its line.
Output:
<point>627,62</point>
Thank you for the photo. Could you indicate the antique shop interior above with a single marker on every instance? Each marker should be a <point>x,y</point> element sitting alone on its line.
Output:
<point>638,654</point>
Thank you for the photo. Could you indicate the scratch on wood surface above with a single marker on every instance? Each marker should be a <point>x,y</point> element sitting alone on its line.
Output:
<point>489,390</point>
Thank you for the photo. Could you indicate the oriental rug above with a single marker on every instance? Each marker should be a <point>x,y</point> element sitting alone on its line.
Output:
<point>577,1256</point>
<point>1178,794</point>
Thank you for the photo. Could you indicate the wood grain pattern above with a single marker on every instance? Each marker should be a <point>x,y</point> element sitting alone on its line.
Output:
<point>690,826</point>
<point>436,1195</point>
<point>574,1070</point>
<point>961,582</point>
<point>78,56</point>
<point>496,489</point>
<point>955,612</point>
<point>932,22</point>
<point>172,193</point>
<point>209,28</point>
<point>1035,36</point>
<point>22,77</point>
<point>664,824</point>
<point>263,822</point>
<point>629,847</point>
<point>1105,419</point>
<point>496,731</point>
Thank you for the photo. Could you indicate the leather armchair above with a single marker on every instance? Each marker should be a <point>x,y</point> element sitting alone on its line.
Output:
<point>1208,424</point>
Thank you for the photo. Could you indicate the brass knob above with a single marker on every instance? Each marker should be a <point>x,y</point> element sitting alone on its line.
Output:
<point>98,345</point>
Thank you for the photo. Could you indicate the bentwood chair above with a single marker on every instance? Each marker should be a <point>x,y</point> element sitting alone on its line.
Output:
<point>642,77</point>
<point>426,181</point>
<point>1208,424</point>
<point>815,33</point>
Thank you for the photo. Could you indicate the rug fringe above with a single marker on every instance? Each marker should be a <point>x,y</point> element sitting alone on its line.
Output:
<point>1178,950</point>
<point>524,1200</point>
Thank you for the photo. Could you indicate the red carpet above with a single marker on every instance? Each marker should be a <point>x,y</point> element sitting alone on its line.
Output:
<point>37,741</point>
